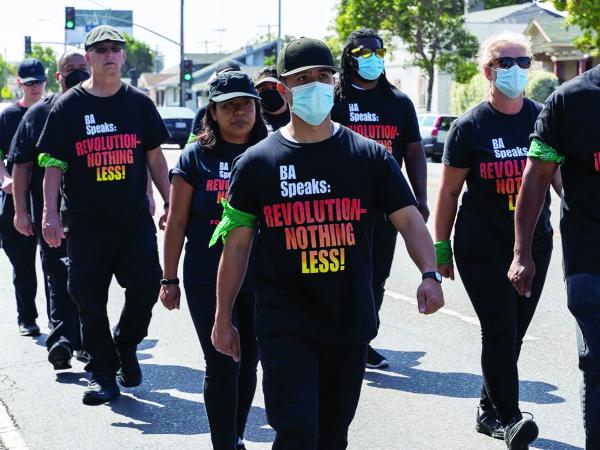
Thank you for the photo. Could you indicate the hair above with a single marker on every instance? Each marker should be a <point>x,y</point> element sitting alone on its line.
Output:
<point>209,137</point>
<point>65,57</point>
<point>490,48</point>
<point>268,71</point>
<point>345,83</point>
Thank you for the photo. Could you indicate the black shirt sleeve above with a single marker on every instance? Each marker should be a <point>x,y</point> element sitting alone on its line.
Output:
<point>392,191</point>
<point>53,139</point>
<point>411,123</point>
<point>187,166</point>
<point>242,185</point>
<point>197,123</point>
<point>22,148</point>
<point>457,149</point>
<point>155,131</point>
<point>549,122</point>
<point>4,137</point>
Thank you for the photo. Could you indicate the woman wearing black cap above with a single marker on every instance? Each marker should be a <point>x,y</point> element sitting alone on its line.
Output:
<point>200,181</point>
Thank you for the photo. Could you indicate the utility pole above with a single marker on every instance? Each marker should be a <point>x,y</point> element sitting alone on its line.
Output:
<point>181,58</point>
<point>279,30</point>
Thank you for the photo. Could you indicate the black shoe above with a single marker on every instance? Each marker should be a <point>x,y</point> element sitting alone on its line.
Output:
<point>487,422</point>
<point>520,432</point>
<point>102,388</point>
<point>60,356</point>
<point>82,356</point>
<point>29,329</point>
<point>130,373</point>
<point>376,360</point>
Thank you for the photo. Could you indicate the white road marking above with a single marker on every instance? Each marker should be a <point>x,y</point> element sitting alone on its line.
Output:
<point>448,312</point>
<point>10,437</point>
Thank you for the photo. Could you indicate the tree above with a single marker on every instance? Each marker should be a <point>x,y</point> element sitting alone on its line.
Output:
<point>586,15</point>
<point>6,70</point>
<point>431,30</point>
<point>489,4</point>
<point>139,56</point>
<point>48,59</point>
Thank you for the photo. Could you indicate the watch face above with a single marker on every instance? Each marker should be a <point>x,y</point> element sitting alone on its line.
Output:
<point>438,277</point>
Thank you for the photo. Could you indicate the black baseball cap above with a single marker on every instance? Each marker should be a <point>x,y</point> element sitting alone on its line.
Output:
<point>31,69</point>
<point>267,75</point>
<point>304,54</point>
<point>228,65</point>
<point>232,84</point>
<point>103,33</point>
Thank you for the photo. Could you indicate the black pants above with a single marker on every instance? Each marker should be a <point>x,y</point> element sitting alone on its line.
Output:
<point>94,257</point>
<point>504,317</point>
<point>382,255</point>
<point>311,390</point>
<point>228,386</point>
<point>20,250</point>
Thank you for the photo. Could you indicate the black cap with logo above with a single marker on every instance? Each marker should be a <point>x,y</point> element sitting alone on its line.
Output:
<point>232,84</point>
<point>304,54</point>
<point>227,65</point>
<point>103,33</point>
<point>31,69</point>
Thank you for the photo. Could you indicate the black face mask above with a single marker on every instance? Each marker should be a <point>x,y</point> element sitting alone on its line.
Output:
<point>76,77</point>
<point>271,100</point>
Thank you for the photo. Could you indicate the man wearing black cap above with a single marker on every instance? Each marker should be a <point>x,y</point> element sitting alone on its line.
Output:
<point>275,110</point>
<point>102,137</point>
<point>64,337</point>
<point>224,66</point>
<point>313,189</point>
<point>20,249</point>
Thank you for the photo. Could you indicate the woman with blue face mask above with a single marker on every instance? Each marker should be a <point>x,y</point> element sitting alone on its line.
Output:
<point>487,147</point>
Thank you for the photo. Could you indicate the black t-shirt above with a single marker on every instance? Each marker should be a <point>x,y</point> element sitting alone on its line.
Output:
<point>23,149</point>
<point>387,118</point>
<point>275,121</point>
<point>493,146</point>
<point>104,141</point>
<point>10,118</point>
<point>197,123</point>
<point>568,124</point>
<point>315,205</point>
<point>208,173</point>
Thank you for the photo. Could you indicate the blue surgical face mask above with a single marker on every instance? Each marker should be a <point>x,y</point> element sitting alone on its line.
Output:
<point>370,68</point>
<point>511,82</point>
<point>312,102</point>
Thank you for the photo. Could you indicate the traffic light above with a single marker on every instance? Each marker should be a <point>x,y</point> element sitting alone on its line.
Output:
<point>188,69</point>
<point>69,18</point>
<point>27,45</point>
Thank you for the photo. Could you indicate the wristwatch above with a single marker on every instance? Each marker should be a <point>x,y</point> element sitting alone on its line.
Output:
<point>434,275</point>
<point>167,281</point>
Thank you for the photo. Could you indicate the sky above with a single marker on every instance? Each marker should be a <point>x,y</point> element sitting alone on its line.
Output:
<point>224,25</point>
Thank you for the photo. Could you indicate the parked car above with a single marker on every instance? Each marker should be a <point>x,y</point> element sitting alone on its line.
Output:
<point>434,129</point>
<point>179,123</point>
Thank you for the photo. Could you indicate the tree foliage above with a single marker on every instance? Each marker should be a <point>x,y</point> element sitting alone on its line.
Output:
<point>139,56</point>
<point>431,30</point>
<point>586,15</point>
<point>48,58</point>
<point>6,70</point>
<point>489,4</point>
<point>541,85</point>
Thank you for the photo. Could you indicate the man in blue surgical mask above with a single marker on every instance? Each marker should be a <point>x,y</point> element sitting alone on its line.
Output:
<point>313,190</point>
<point>368,104</point>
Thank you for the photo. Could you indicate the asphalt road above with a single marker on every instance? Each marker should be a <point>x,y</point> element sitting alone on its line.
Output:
<point>426,400</point>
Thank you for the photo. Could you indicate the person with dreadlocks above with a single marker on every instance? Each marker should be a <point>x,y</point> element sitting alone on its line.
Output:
<point>367,103</point>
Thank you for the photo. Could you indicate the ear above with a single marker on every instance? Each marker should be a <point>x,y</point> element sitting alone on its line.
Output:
<point>86,56</point>
<point>57,75</point>
<point>488,73</point>
<point>283,91</point>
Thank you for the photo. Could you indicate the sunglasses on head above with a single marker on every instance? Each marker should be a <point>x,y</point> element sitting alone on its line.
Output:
<point>506,62</point>
<point>368,52</point>
<point>33,83</point>
<point>105,48</point>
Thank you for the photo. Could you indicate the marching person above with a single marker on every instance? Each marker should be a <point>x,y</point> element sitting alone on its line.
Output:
<point>64,337</point>
<point>20,249</point>
<point>487,148</point>
<point>562,138</point>
<point>312,190</point>
<point>367,103</point>
<point>275,110</point>
<point>101,138</point>
<point>199,183</point>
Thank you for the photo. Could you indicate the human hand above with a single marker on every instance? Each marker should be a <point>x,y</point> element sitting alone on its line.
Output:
<point>430,297</point>
<point>170,296</point>
<point>226,339</point>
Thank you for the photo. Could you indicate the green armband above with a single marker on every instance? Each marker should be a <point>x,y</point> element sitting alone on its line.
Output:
<point>543,152</point>
<point>191,138</point>
<point>232,218</point>
<point>443,252</point>
<point>1,154</point>
<point>45,160</point>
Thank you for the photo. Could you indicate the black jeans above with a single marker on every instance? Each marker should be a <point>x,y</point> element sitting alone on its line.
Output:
<point>94,257</point>
<point>504,317</point>
<point>382,255</point>
<point>583,293</point>
<point>311,390</point>
<point>228,386</point>
<point>20,250</point>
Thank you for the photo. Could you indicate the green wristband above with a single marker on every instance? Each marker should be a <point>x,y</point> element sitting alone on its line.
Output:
<point>45,160</point>
<point>191,138</point>
<point>232,218</point>
<point>443,252</point>
<point>1,154</point>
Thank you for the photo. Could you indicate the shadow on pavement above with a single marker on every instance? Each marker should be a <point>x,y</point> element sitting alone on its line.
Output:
<point>448,384</point>
<point>549,444</point>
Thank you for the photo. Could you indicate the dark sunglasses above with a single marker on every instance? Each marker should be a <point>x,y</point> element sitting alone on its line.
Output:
<point>105,48</point>
<point>368,52</point>
<point>506,62</point>
<point>34,83</point>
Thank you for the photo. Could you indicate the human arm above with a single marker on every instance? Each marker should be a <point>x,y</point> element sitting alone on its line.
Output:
<point>416,169</point>
<point>150,195</point>
<point>22,219</point>
<point>52,229</point>
<point>5,178</point>
<point>557,183</point>
<point>159,171</point>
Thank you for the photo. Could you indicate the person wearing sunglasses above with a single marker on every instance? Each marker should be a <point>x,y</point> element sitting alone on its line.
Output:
<point>275,110</point>
<point>487,148</point>
<point>101,139</point>
<point>367,103</point>
<point>19,249</point>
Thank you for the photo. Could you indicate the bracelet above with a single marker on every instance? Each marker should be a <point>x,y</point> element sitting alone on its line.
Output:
<point>167,281</point>
<point>166,205</point>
